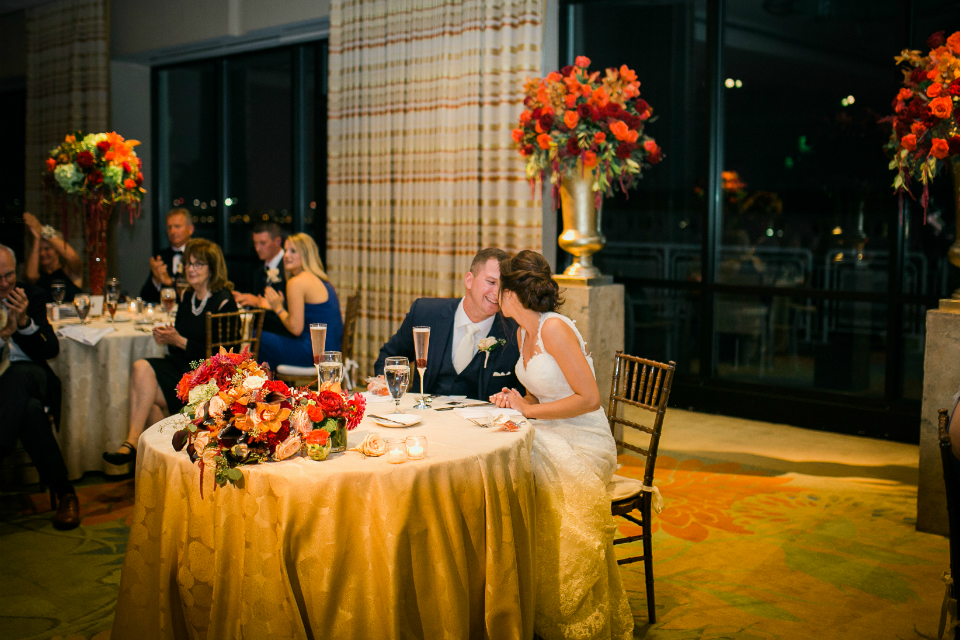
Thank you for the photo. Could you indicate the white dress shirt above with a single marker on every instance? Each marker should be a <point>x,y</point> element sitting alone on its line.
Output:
<point>276,262</point>
<point>460,322</point>
<point>16,353</point>
<point>177,257</point>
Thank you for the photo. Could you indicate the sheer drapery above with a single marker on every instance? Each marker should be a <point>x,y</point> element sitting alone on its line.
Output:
<point>68,73</point>
<point>422,170</point>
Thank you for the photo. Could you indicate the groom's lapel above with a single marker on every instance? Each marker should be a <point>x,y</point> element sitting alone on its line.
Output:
<point>441,328</point>
<point>486,373</point>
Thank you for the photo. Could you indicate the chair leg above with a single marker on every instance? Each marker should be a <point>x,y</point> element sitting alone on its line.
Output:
<point>648,560</point>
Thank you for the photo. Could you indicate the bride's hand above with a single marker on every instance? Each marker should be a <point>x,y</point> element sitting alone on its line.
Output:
<point>500,399</point>
<point>513,400</point>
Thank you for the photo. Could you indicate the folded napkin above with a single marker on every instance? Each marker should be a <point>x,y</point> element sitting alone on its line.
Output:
<point>370,397</point>
<point>485,414</point>
<point>84,334</point>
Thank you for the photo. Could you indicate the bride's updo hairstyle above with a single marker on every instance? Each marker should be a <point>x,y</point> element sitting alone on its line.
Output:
<point>528,275</point>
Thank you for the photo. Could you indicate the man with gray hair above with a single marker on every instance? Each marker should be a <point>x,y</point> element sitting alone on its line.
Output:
<point>28,386</point>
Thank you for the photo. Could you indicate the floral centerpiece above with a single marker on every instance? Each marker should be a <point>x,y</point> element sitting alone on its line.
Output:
<point>587,130</point>
<point>96,172</point>
<point>925,121</point>
<point>237,415</point>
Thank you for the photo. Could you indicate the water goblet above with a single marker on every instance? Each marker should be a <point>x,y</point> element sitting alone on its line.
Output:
<point>82,302</point>
<point>421,344</point>
<point>397,372</point>
<point>331,367</point>
<point>59,290</point>
<point>110,304</point>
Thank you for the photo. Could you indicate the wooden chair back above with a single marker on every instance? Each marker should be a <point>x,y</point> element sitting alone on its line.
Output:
<point>351,313</point>
<point>644,384</point>
<point>234,330</point>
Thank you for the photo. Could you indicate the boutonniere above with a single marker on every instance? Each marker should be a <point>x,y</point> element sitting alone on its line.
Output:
<point>273,275</point>
<point>487,345</point>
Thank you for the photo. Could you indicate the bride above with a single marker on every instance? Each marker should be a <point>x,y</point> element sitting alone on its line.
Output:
<point>579,593</point>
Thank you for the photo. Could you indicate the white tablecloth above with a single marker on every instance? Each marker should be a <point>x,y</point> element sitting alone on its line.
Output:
<point>345,548</point>
<point>96,393</point>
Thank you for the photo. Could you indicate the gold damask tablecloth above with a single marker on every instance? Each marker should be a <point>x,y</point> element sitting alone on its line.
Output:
<point>96,393</point>
<point>344,548</point>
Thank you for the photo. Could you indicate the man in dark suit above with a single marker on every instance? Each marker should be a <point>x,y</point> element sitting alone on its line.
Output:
<point>28,385</point>
<point>168,264</point>
<point>268,243</point>
<point>455,364</point>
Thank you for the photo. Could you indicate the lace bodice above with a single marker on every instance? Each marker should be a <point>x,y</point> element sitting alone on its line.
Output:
<point>542,375</point>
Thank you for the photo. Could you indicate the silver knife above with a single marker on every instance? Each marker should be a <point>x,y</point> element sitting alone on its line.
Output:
<point>465,406</point>
<point>387,419</point>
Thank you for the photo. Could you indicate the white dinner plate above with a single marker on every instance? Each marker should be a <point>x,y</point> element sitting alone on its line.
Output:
<point>120,317</point>
<point>369,397</point>
<point>407,419</point>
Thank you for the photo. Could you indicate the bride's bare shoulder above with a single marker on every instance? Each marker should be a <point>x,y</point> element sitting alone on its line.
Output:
<point>557,334</point>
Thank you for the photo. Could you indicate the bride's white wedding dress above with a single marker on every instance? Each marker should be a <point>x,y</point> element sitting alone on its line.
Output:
<point>579,593</point>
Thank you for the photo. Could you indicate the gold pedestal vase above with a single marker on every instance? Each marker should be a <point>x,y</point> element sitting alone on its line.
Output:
<point>581,235</point>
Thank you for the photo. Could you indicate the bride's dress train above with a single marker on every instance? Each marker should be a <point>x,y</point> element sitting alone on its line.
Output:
<point>579,593</point>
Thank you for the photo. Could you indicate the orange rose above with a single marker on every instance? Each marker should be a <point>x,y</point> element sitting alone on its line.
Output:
<point>51,164</point>
<point>623,132</point>
<point>628,74</point>
<point>525,117</point>
<point>544,141</point>
<point>586,91</point>
<point>905,94</point>
<point>553,76</point>
<point>934,90</point>
<point>650,145</point>
<point>70,139</point>
<point>517,135</point>
<point>954,42</point>
<point>600,137</point>
<point>129,184</point>
<point>570,101</point>
<point>940,149</point>
<point>909,142</point>
<point>599,97</point>
<point>589,159</point>
<point>570,118</point>
<point>941,107</point>
<point>917,128</point>
<point>583,61</point>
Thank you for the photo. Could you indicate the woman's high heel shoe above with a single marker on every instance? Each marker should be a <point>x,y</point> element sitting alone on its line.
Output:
<point>120,457</point>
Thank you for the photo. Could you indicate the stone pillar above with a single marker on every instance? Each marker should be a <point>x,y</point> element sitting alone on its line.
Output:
<point>596,304</point>
<point>941,378</point>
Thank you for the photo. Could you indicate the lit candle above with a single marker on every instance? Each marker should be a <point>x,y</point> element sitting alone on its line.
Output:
<point>415,451</point>
<point>396,456</point>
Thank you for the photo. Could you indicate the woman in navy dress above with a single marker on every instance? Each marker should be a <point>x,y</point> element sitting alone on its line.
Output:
<point>310,298</point>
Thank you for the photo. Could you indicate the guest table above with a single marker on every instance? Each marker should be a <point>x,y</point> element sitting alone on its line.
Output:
<point>96,391</point>
<point>344,548</point>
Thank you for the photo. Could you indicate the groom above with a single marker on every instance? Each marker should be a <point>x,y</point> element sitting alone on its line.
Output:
<point>455,363</point>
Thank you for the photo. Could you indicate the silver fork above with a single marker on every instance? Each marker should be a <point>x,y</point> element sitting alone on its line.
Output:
<point>479,424</point>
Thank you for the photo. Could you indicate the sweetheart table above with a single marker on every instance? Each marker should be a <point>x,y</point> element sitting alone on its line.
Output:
<point>345,548</point>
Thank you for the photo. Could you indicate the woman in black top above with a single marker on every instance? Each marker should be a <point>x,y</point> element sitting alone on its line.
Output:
<point>50,258</point>
<point>153,384</point>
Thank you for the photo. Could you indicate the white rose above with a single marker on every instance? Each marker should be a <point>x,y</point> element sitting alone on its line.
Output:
<point>252,383</point>
<point>301,422</point>
<point>486,343</point>
<point>287,448</point>
<point>217,405</point>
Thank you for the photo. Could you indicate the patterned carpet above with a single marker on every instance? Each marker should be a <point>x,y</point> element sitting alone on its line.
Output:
<point>741,551</point>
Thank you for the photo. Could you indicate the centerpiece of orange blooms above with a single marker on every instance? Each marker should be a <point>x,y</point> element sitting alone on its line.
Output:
<point>237,416</point>
<point>925,131</point>
<point>578,121</point>
<point>96,173</point>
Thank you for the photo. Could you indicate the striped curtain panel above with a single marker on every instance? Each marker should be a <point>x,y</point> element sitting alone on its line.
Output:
<point>68,73</point>
<point>421,168</point>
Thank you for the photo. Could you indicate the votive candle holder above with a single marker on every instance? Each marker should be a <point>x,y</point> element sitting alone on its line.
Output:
<point>396,450</point>
<point>416,447</point>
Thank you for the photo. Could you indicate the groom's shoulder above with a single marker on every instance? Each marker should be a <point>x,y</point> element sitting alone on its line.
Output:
<point>430,306</point>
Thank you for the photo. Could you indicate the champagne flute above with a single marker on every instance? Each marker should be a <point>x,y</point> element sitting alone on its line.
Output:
<point>82,302</point>
<point>331,367</point>
<point>182,285</point>
<point>168,296</point>
<point>318,338</point>
<point>59,290</point>
<point>421,344</point>
<point>397,372</point>
<point>110,304</point>
<point>112,286</point>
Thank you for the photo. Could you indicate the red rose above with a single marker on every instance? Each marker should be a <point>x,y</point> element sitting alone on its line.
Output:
<point>139,179</point>
<point>96,177</point>
<point>536,113</point>
<point>126,167</point>
<point>953,144</point>
<point>103,145</point>
<point>573,146</point>
<point>567,70</point>
<point>85,159</point>
<point>654,157</point>
<point>918,75</point>
<point>936,40</point>
<point>641,105</point>
<point>625,149</point>
<point>632,121</point>
<point>546,121</point>
<point>585,112</point>
<point>139,163</point>
<point>331,403</point>
<point>238,409</point>
<point>527,101</point>
<point>527,150</point>
<point>612,110</point>
<point>954,88</point>
<point>277,386</point>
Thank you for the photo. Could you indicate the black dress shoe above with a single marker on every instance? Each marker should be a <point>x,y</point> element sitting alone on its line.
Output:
<point>121,456</point>
<point>68,514</point>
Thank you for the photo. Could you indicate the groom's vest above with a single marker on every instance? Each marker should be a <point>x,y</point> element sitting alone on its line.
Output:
<point>466,383</point>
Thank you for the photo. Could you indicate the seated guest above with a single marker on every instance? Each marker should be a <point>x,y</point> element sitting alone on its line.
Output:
<point>268,243</point>
<point>455,365</point>
<point>27,385</point>
<point>167,265</point>
<point>153,384</point>
<point>50,258</point>
<point>310,298</point>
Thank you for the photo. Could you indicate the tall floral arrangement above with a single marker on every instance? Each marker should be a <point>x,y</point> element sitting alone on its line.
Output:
<point>577,120</point>
<point>925,122</point>
<point>96,173</point>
